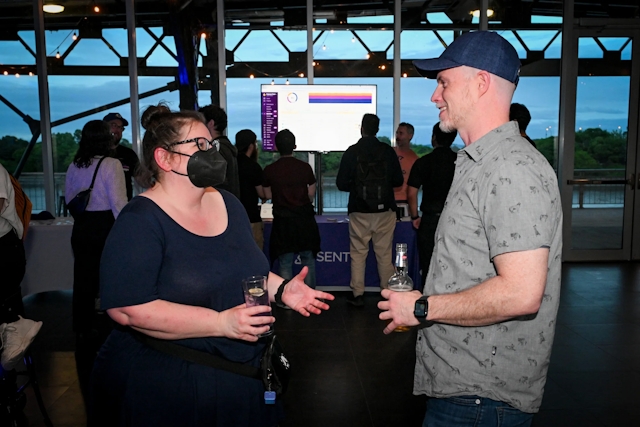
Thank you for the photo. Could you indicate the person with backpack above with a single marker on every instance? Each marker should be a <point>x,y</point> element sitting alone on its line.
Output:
<point>369,171</point>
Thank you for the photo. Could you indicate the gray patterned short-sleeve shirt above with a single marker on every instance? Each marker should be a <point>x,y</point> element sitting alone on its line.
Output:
<point>504,198</point>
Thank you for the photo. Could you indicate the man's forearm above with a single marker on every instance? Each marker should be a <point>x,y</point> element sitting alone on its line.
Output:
<point>412,199</point>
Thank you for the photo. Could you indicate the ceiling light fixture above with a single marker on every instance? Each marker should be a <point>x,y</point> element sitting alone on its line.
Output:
<point>58,54</point>
<point>476,13</point>
<point>53,8</point>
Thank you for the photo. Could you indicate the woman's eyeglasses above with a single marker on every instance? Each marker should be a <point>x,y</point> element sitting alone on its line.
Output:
<point>201,142</point>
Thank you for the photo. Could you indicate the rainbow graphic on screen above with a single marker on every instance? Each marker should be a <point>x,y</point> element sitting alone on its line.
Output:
<point>340,98</point>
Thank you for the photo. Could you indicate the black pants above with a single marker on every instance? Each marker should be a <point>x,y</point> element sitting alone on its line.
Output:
<point>426,241</point>
<point>90,231</point>
<point>12,268</point>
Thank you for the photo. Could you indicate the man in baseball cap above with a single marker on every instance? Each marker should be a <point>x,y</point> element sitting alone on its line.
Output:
<point>126,155</point>
<point>490,300</point>
<point>484,50</point>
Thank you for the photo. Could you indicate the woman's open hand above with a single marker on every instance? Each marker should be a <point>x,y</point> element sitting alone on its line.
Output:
<point>304,299</point>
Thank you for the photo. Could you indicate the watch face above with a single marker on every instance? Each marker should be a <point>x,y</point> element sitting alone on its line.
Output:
<point>421,307</point>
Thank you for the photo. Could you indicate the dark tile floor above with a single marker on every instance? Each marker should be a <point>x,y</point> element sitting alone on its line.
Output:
<point>347,373</point>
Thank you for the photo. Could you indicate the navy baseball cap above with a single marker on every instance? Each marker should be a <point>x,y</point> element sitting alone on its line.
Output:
<point>484,50</point>
<point>114,116</point>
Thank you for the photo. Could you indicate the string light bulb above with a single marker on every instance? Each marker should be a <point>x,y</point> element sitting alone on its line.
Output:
<point>17,75</point>
<point>74,36</point>
<point>203,35</point>
<point>58,54</point>
<point>272,82</point>
<point>383,67</point>
<point>353,39</point>
<point>30,73</point>
<point>6,73</point>
<point>287,82</point>
<point>251,76</point>
<point>332,31</point>
<point>404,74</point>
<point>301,75</point>
<point>368,56</point>
<point>315,63</point>
<point>324,47</point>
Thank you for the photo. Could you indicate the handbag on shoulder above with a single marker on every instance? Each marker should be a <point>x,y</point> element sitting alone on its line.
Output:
<point>274,370</point>
<point>79,203</point>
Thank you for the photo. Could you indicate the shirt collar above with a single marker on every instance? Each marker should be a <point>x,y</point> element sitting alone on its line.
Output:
<point>489,142</point>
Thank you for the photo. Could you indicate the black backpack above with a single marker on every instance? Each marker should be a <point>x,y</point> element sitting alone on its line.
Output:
<point>372,182</point>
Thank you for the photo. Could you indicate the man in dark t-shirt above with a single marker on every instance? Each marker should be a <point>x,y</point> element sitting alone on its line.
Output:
<point>434,173</point>
<point>291,185</point>
<point>250,176</point>
<point>126,155</point>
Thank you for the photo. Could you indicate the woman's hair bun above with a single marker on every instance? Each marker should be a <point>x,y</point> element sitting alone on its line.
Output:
<point>152,113</point>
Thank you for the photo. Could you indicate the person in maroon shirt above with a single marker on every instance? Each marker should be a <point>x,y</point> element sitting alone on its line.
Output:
<point>291,185</point>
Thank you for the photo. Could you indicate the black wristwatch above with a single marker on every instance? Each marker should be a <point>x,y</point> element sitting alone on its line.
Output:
<point>421,308</point>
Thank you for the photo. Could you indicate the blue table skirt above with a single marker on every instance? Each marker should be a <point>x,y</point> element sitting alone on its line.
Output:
<point>333,263</point>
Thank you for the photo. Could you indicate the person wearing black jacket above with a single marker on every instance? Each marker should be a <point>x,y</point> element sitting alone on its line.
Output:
<point>251,177</point>
<point>366,222</point>
<point>216,120</point>
<point>434,173</point>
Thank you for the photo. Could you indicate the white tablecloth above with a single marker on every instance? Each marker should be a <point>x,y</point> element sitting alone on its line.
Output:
<point>49,256</point>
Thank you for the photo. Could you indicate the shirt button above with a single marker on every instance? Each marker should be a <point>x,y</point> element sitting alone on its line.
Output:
<point>477,401</point>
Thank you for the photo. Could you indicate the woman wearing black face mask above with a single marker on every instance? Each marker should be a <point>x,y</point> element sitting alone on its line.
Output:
<point>172,270</point>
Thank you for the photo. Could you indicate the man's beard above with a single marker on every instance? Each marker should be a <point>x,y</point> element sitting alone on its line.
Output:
<point>458,115</point>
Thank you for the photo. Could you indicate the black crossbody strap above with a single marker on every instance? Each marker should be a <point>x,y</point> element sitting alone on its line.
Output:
<point>96,173</point>
<point>196,356</point>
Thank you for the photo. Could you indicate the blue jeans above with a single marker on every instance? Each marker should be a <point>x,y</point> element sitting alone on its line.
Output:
<point>306,258</point>
<point>473,411</point>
